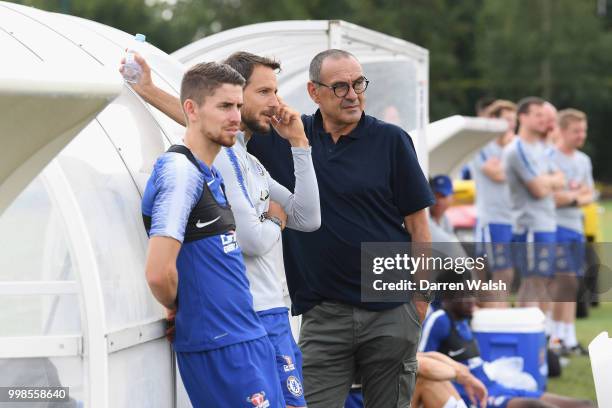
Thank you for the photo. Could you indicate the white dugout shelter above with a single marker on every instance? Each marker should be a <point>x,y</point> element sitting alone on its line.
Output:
<point>78,146</point>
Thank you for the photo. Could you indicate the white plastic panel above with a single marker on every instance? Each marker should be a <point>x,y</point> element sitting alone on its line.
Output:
<point>391,94</point>
<point>33,242</point>
<point>46,372</point>
<point>20,55</point>
<point>110,204</point>
<point>142,376</point>
<point>40,315</point>
<point>29,31</point>
<point>135,134</point>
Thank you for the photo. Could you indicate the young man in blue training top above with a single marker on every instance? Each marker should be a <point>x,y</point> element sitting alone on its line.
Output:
<point>223,353</point>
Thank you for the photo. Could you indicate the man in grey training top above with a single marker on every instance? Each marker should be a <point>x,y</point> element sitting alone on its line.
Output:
<point>533,179</point>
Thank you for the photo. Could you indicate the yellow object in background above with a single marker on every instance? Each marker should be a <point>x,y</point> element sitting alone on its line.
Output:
<point>592,227</point>
<point>464,192</point>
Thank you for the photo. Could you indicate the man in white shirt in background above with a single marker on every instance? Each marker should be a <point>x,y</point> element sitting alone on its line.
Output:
<point>578,191</point>
<point>493,232</point>
<point>442,187</point>
<point>532,179</point>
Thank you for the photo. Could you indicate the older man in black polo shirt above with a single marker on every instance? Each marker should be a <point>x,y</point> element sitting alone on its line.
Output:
<point>371,189</point>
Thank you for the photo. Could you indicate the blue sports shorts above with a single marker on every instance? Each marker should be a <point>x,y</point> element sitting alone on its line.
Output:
<point>241,375</point>
<point>288,354</point>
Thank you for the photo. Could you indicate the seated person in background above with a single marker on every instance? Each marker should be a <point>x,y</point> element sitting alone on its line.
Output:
<point>433,387</point>
<point>442,187</point>
<point>448,331</point>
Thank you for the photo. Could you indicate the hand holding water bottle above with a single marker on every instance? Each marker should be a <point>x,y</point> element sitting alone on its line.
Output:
<point>131,69</point>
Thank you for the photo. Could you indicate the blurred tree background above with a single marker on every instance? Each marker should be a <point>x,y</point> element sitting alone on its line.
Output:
<point>558,49</point>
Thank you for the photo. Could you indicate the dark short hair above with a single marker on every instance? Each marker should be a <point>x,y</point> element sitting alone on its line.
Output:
<point>525,104</point>
<point>203,79</point>
<point>483,102</point>
<point>315,65</point>
<point>244,62</point>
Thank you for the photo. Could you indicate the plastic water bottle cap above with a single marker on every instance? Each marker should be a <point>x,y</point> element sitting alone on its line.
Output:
<point>140,37</point>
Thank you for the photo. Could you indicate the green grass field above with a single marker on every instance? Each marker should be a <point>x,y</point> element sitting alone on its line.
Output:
<point>577,377</point>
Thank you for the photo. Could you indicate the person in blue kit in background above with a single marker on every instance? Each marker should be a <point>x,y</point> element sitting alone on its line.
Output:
<point>448,331</point>
<point>372,189</point>
<point>194,265</point>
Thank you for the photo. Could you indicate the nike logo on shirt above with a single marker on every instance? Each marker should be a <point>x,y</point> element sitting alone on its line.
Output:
<point>453,353</point>
<point>204,224</point>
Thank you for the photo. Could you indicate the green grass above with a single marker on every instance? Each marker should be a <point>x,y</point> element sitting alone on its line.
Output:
<point>577,378</point>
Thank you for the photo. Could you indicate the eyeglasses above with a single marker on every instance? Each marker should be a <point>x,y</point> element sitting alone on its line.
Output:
<point>341,89</point>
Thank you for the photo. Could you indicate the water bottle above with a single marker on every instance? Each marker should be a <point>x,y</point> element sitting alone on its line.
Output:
<point>131,69</point>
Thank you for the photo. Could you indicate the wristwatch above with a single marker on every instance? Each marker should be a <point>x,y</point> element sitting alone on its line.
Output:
<point>276,220</point>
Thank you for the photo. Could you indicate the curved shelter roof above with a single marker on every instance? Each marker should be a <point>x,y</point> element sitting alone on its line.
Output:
<point>455,140</point>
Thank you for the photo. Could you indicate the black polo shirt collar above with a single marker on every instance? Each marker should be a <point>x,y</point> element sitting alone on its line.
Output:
<point>355,133</point>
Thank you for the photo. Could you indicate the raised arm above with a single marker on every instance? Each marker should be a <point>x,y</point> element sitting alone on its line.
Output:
<point>302,207</point>
<point>162,100</point>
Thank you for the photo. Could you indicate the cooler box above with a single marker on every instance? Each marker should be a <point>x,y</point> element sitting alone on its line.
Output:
<point>517,332</point>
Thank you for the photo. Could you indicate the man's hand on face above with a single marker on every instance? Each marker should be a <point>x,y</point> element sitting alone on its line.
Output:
<point>288,124</point>
<point>145,82</point>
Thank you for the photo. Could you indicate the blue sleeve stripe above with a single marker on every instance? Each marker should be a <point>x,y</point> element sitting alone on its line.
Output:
<point>234,160</point>
<point>179,188</point>
<point>426,332</point>
<point>523,157</point>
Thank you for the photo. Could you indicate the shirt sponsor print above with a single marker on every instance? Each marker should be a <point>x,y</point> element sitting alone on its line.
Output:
<point>259,400</point>
<point>229,242</point>
<point>289,366</point>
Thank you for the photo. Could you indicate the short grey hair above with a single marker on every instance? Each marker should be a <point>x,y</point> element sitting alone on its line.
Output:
<point>315,65</point>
